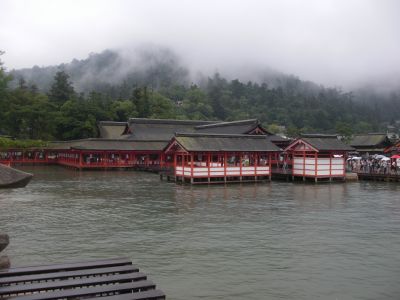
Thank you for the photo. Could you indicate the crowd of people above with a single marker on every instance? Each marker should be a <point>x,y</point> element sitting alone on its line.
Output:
<point>374,164</point>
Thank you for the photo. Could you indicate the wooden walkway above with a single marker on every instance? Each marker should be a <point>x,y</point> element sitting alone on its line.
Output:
<point>113,279</point>
<point>378,177</point>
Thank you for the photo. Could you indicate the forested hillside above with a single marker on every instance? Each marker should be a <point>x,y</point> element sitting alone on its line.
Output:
<point>65,102</point>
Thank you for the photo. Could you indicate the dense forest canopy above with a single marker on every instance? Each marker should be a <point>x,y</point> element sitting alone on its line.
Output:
<point>67,101</point>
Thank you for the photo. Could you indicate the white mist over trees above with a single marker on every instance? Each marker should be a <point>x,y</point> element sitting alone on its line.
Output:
<point>153,82</point>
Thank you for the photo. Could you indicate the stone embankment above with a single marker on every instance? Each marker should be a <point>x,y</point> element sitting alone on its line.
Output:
<point>4,260</point>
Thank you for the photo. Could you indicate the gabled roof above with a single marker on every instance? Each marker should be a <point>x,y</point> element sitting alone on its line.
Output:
<point>234,127</point>
<point>111,130</point>
<point>370,140</point>
<point>160,129</point>
<point>164,129</point>
<point>109,144</point>
<point>220,142</point>
<point>321,142</point>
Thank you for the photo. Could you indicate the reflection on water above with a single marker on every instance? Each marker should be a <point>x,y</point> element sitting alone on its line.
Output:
<point>274,240</point>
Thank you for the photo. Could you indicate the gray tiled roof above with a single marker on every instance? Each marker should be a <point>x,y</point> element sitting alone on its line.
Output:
<point>160,129</point>
<point>369,140</point>
<point>218,142</point>
<point>109,144</point>
<point>326,142</point>
<point>234,127</point>
<point>111,130</point>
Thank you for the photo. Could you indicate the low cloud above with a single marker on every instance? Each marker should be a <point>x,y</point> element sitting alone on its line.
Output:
<point>336,43</point>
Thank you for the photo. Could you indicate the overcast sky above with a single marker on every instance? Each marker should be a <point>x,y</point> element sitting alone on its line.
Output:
<point>333,42</point>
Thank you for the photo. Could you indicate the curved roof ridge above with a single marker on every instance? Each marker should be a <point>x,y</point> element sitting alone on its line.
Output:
<point>112,123</point>
<point>168,121</point>
<point>370,133</point>
<point>221,135</point>
<point>91,139</point>
<point>221,124</point>
<point>318,135</point>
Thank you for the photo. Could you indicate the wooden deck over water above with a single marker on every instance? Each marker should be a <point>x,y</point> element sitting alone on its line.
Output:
<point>112,279</point>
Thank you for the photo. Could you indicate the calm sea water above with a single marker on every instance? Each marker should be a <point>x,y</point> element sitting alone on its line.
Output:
<point>258,241</point>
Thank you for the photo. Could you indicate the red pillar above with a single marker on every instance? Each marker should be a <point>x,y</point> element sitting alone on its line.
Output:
<point>240,164</point>
<point>225,161</point>
<point>344,164</point>
<point>255,157</point>
<point>175,157</point>
<point>184,158</point>
<point>270,166</point>
<point>162,158</point>
<point>316,164</point>
<point>208,165</point>
<point>80,160</point>
<point>191,164</point>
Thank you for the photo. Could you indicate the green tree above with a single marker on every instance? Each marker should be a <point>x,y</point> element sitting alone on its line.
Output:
<point>345,130</point>
<point>196,105</point>
<point>140,98</point>
<point>4,95</point>
<point>61,90</point>
<point>218,95</point>
<point>293,131</point>
<point>274,128</point>
<point>124,110</point>
<point>29,115</point>
<point>161,107</point>
<point>100,106</point>
<point>76,120</point>
<point>362,127</point>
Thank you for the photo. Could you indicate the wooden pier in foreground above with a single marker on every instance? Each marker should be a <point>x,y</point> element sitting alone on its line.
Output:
<point>112,279</point>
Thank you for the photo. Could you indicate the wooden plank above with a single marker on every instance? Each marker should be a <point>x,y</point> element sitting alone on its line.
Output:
<point>68,274</point>
<point>62,284</point>
<point>146,295</point>
<point>66,267</point>
<point>91,292</point>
